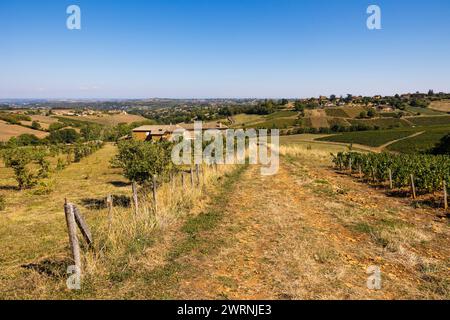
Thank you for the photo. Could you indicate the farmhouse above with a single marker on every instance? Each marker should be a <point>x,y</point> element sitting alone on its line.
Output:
<point>165,132</point>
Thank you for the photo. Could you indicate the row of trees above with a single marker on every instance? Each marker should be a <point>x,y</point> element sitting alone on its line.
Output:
<point>31,164</point>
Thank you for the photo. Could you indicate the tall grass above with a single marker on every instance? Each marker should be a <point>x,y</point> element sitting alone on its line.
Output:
<point>121,245</point>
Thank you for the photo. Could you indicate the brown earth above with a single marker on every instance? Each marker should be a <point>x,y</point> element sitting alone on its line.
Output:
<point>310,233</point>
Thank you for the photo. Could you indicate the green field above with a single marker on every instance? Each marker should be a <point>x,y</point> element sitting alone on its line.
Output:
<point>430,121</point>
<point>336,112</point>
<point>421,143</point>
<point>370,138</point>
<point>423,111</point>
<point>281,114</point>
<point>279,123</point>
<point>383,123</point>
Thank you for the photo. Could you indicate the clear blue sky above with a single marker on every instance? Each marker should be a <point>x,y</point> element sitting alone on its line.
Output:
<point>222,48</point>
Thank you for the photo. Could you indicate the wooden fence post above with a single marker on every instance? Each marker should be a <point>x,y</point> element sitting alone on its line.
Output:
<point>391,186</point>
<point>110,204</point>
<point>154,192</point>
<point>84,228</point>
<point>182,180</point>
<point>135,198</point>
<point>197,173</point>
<point>192,177</point>
<point>413,188</point>
<point>203,175</point>
<point>445,195</point>
<point>72,230</point>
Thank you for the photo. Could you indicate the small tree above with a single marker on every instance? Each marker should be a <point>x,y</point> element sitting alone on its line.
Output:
<point>443,147</point>
<point>141,160</point>
<point>20,161</point>
<point>36,125</point>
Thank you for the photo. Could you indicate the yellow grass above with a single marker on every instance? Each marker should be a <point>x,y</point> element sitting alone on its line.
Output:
<point>36,254</point>
<point>443,105</point>
<point>7,131</point>
<point>110,120</point>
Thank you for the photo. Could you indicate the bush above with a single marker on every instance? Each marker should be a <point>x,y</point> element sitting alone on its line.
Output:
<point>443,147</point>
<point>36,125</point>
<point>141,160</point>
<point>20,160</point>
<point>82,150</point>
<point>24,140</point>
<point>64,136</point>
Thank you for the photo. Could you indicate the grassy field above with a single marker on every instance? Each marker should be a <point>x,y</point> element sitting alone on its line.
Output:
<point>430,121</point>
<point>7,131</point>
<point>423,111</point>
<point>443,105</point>
<point>35,254</point>
<point>109,120</point>
<point>383,123</point>
<point>370,138</point>
<point>278,120</point>
<point>421,143</point>
<point>241,236</point>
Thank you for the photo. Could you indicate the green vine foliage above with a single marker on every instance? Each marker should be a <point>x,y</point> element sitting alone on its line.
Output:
<point>429,171</point>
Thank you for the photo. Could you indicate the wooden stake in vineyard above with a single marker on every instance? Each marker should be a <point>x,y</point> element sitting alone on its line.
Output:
<point>350,167</point>
<point>413,188</point>
<point>391,186</point>
<point>360,171</point>
<point>445,195</point>
<point>135,197</point>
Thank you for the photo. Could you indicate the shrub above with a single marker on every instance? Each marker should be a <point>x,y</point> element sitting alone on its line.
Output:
<point>20,161</point>
<point>64,136</point>
<point>141,160</point>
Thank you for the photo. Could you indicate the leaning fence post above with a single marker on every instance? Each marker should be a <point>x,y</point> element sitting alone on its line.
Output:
<point>192,177</point>
<point>154,191</point>
<point>72,230</point>
<point>110,204</point>
<point>445,195</point>
<point>391,186</point>
<point>413,188</point>
<point>84,228</point>
<point>135,197</point>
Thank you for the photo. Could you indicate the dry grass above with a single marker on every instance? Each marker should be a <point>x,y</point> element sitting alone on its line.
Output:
<point>110,120</point>
<point>36,256</point>
<point>443,105</point>
<point>7,131</point>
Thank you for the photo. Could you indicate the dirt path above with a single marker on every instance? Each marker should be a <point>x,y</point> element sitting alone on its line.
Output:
<point>384,146</point>
<point>309,233</point>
